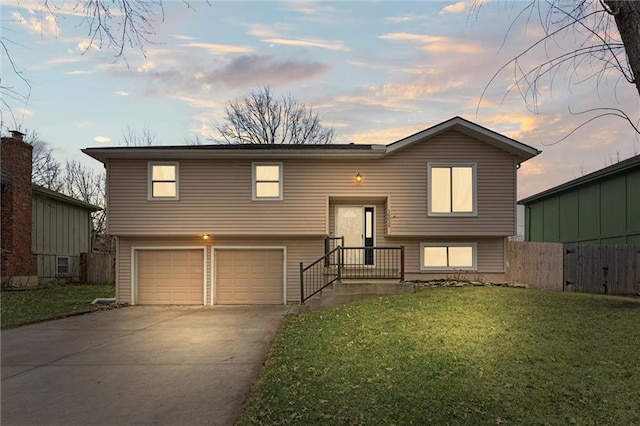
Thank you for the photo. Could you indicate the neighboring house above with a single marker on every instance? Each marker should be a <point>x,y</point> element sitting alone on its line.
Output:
<point>601,207</point>
<point>230,224</point>
<point>43,231</point>
<point>61,230</point>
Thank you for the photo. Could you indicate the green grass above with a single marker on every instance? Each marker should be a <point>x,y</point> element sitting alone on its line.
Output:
<point>56,301</point>
<point>451,356</point>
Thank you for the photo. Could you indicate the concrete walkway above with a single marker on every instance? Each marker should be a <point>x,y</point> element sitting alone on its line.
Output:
<point>142,365</point>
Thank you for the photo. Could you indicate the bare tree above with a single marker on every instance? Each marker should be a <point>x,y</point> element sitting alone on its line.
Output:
<point>134,137</point>
<point>607,35</point>
<point>260,118</point>
<point>46,171</point>
<point>83,183</point>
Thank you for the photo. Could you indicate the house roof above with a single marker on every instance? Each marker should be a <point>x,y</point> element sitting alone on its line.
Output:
<point>474,130</point>
<point>338,151</point>
<point>41,190</point>
<point>630,163</point>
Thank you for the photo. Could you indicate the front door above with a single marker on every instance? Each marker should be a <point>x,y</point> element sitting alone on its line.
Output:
<point>356,225</point>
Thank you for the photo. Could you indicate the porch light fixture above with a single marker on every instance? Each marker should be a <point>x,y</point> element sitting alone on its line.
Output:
<point>206,237</point>
<point>358,178</point>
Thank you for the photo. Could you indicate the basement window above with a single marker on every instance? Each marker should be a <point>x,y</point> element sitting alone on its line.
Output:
<point>63,265</point>
<point>448,256</point>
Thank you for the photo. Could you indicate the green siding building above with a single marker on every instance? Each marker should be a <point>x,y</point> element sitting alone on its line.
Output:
<point>601,207</point>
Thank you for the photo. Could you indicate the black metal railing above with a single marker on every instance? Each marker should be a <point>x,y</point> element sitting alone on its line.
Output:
<point>331,243</point>
<point>357,263</point>
<point>377,263</point>
<point>315,277</point>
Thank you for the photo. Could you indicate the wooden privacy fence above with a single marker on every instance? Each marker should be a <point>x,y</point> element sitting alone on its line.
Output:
<point>98,268</point>
<point>585,268</point>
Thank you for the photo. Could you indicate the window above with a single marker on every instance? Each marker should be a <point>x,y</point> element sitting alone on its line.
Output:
<point>448,256</point>
<point>452,189</point>
<point>267,181</point>
<point>63,265</point>
<point>163,181</point>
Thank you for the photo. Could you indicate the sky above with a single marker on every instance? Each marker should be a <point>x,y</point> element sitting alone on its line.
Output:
<point>374,71</point>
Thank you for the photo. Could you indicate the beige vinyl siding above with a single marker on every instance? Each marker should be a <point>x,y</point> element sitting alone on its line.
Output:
<point>58,229</point>
<point>215,195</point>
<point>298,250</point>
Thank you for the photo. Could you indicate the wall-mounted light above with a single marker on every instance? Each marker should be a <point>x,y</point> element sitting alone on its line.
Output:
<point>358,178</point>
<point>206,237</point>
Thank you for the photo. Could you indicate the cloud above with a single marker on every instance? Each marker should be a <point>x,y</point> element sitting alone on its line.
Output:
<point>261,31</point>
<point>85,45</point>
<point>461,6</point>
<point>308,7</point>
<point>436,44</point>
<point>182,37</point>
<point>102,139</point>
<point>46,26</point>
<point>79,72</point>
<point>206,103</point>
<point>121,93</point>
<point>533,167</point>
<point>370,100</point>
<point>383,136</point>
<point>147,66</point>
<point>251,70</point>
<point>220,48</point>
<point>329,45</point>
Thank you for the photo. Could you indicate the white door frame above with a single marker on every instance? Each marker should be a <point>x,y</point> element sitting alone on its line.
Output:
<point>362,208</point>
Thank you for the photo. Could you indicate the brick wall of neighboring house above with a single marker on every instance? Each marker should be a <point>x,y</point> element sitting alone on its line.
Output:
<point>18,267</point>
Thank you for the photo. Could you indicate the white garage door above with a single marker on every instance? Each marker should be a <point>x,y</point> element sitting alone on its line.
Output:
<point>249,277</point>
<point>170,277</point>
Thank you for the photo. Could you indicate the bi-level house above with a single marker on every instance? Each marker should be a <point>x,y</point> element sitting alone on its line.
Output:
<point>232,224</point>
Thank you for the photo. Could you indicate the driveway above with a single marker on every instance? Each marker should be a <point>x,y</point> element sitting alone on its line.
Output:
<point>142,365</point>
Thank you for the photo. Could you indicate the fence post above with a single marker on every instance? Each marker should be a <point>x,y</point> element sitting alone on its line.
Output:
<point>340,263</point>
<point>402,263</point>
<point>301,284</point>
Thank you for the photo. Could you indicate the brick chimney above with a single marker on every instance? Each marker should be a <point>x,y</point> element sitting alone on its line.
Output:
<point>18,266</point>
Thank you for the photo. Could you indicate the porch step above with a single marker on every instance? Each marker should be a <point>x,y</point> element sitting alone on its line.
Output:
<point>354,291</point>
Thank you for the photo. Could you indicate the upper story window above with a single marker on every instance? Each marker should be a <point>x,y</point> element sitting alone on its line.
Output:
<point>267,181</point>
<point>448,256</point>
<point>163,181</point>
<point>452,190</point>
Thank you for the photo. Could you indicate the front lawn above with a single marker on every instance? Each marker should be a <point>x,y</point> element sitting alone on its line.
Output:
<point>20,307</point>
<point>445,356</point>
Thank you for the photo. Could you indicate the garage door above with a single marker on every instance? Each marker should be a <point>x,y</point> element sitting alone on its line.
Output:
<point>170,277</point>
<point>249,277</point>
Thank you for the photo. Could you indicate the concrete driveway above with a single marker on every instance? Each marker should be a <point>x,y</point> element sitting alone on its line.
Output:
<point>142,365</point>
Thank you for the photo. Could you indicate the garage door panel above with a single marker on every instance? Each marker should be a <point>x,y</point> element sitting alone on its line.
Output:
<point>249,276</point>
<point>170,277</point>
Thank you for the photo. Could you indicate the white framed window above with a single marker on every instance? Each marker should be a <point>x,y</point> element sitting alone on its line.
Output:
<point>63,265</point>
<point>452,189</point>
<point>163,181</point>
<point>266,181</point>
<point>448,256</point>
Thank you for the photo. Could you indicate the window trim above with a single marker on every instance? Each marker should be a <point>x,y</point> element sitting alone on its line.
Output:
<point>63,274</point>
<point>150,196</point>
<point>474,266</point>
<point>474,190</point>
<point>254,182</point>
